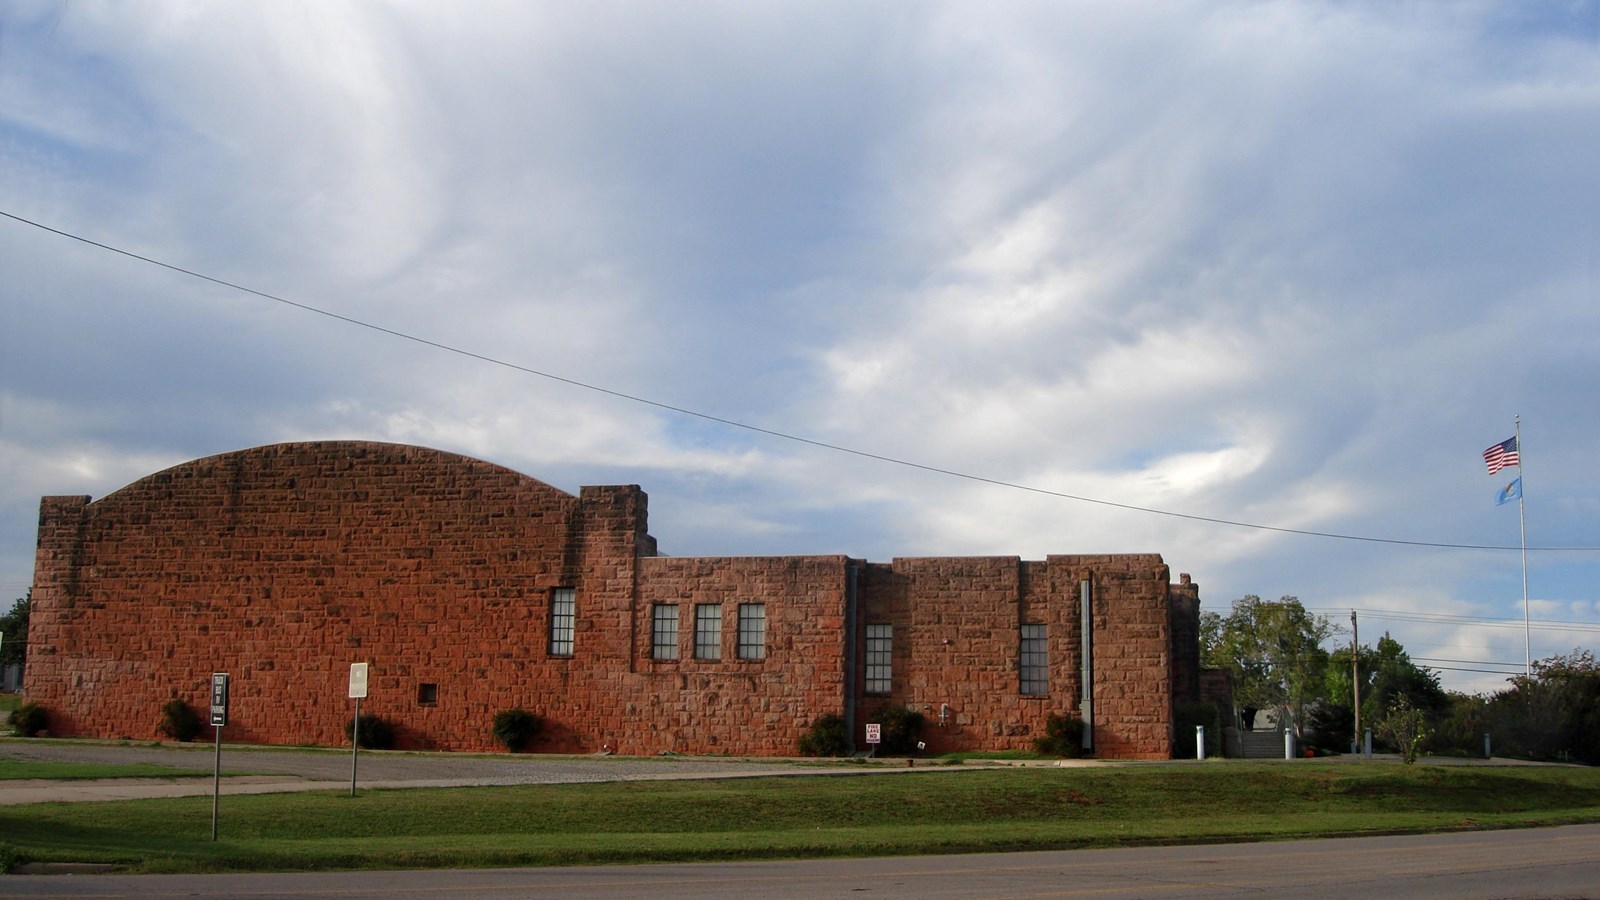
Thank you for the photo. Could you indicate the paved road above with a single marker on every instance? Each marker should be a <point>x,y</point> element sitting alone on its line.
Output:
<point>1554,862</point>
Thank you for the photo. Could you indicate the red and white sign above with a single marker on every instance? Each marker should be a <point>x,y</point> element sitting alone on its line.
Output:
<point>874,733</point>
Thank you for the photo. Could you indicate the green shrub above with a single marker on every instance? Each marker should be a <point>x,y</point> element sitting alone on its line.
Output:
<point>901,729</point>
<point>179,721</point>
<point>1405,727</point>
<point>375,733</point>
<point>1063,736</point>
<point>29,720</point>
<point>827,736</point>
<point>514,728</point>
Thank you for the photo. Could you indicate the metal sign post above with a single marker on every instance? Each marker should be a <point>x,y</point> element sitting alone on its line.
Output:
<point>358,689</point>
<point>219,719</point>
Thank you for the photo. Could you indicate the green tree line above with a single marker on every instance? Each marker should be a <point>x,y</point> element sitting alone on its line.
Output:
<point>1277,652</point>
<point>14,632</point>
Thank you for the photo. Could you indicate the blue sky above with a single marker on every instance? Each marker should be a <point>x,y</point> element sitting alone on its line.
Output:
<point>1285,264</point>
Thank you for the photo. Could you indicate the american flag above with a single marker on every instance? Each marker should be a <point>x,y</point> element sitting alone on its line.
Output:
<point>1502,455</point>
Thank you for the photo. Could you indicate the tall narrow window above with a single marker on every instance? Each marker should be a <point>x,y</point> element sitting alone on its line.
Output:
<point>708,631</point>
<point>664,631</point>
<point>752,631</point>
<point>880,651</point>
<point>563,613</point>
<point>1035,661</point>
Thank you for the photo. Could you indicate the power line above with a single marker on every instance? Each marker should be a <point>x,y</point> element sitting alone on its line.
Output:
<point>1449,619</point>
<point>781,435</point>
<point>1586,627</point>
<point>1467,662</point>
<point>1464,669</point>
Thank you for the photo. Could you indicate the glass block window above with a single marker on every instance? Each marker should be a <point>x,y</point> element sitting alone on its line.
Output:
<point>664,631</point>
<point>880,651</point>
<point>1035,661</point>
<point>708,631</point>
<point>563,615</point>
<point>752,631</point>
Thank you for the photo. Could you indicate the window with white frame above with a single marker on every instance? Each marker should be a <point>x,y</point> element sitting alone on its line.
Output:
<point>708,631</point>
<point>664,631</point>
<point>563,616</point>
<point>1034,661</point>
<point>752,631</point>
<point>880,653</point>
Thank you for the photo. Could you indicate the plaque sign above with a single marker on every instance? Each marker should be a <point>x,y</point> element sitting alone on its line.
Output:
<point>219,699</point>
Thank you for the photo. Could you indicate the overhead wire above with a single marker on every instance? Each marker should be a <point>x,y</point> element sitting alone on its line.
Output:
<point>756,429</point>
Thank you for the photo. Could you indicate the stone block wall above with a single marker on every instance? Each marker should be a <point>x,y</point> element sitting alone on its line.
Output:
<point>283,565</point>
<point>957,640</point>
<point>733,705</point>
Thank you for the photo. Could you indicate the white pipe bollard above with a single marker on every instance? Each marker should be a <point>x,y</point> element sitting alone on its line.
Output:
<point>1199,742</point>
<point>1367,749</point>
<point>1486,753</point>
<point>1288,745</point>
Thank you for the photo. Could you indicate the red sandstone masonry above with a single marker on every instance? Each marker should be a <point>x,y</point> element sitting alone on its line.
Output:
<point>284,564</point>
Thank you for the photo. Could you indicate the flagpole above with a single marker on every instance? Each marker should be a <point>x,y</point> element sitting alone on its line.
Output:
<point>1522,519</point>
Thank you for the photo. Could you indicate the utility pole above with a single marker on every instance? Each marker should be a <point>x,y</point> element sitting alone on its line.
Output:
<point>1355,673</point>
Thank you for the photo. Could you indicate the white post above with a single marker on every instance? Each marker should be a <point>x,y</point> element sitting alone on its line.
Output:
<point>1522,522</point>
<point>1288,744</point>
<point>1486,753</point>
<point>1199,742</point>
<point>1367,750</point>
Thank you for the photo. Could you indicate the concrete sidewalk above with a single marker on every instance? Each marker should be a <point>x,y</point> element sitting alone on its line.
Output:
<point>267,770</point>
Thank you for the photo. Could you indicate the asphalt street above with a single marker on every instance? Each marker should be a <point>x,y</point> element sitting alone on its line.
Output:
<point>1559,862</point>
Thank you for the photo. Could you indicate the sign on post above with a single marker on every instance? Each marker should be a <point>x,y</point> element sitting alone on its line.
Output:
<point>874,733</point>
<point>219,699</point>
<point>358,681</point>
<point>219,718</point>
<point>358,689</point>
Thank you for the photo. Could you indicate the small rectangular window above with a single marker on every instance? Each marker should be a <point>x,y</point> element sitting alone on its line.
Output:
<point>708,631</point>
<point>427,695</point>
<point>664,631</point>
<point>880,654</point>
<point>563,616</point>
<point>1035,661</point>
<point>752,631</point>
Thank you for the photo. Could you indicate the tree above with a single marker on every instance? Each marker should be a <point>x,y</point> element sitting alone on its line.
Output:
<point>14,627</point>
<point>1387,674</point>
<point>1394,675</point>
<point>1553,713</point>
<point>1274,650</point>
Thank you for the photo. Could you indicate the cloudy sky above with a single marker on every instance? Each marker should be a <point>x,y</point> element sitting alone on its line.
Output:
<point>1185,278</point>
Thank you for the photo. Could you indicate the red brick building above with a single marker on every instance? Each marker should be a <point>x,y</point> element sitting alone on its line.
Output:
<point>470,588</point>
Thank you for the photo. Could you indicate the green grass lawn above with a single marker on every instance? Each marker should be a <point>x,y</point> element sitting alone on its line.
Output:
<point>8,702</point>
<point>19,769</point>
<point>945,810</point>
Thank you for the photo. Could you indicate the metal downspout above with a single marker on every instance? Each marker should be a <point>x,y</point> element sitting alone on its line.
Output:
<point>1086,676</point>
<point>852,572</point>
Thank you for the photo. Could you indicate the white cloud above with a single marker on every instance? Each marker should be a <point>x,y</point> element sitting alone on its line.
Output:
<point>1291,264</point>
